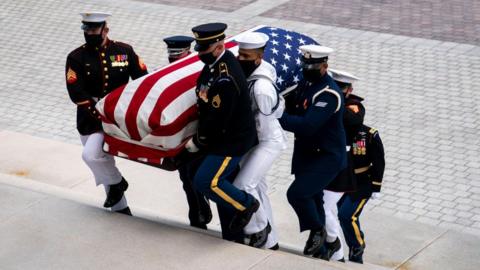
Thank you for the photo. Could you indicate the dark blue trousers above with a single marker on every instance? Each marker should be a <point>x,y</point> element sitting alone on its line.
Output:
<point>212,181</point>
<point>305,195</point>
<point>349,215</point>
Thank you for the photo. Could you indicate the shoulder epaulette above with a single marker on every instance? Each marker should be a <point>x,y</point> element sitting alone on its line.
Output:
<point>372,130</point>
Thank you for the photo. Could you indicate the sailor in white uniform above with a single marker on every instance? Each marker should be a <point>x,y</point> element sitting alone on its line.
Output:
<point>268,106</point>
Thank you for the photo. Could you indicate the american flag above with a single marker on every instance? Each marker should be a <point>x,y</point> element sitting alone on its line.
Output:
<point>283,53</point>
<point>152,117</point>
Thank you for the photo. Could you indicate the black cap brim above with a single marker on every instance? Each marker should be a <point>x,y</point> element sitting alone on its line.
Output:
<point>201,47</point>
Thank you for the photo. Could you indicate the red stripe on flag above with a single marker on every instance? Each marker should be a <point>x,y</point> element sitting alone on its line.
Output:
<point>168,96</point>
<point>173,128</point>
<point>142,92</point>
<point>135,151</point>
<point>110,103</point>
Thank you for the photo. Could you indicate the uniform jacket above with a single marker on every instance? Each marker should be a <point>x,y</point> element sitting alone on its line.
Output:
<point>267,105</point>
<point>352,120</point>
<point>368,160</point>
<point>226,124</point>
<point>316,119</point>
<point>92,73</point>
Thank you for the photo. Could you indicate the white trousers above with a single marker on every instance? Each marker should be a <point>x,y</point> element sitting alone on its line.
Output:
<point>251,178</point>
<point>332,224</point>
<point>101,164</point>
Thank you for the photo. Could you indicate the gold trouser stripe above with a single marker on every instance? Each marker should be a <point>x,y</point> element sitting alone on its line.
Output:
<point>219,192</point>
<point>354,222</point>
<point>362,169</point>
<point>210,37</point>
<point>377,183</point>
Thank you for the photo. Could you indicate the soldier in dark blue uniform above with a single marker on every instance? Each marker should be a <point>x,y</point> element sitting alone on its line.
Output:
<point>369,166</point>
<point>314,114</point>
<point>226,128</point>
<point>92,71</point>
<point>199,212</point>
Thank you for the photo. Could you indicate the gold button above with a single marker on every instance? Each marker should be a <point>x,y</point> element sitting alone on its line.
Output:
<point>103,54</point>
<point>121,69</point>
<point>88,73</point>
<point>104,61</point>
<point>106,76</point>
<point>105,69</point>
<point>106,84</point>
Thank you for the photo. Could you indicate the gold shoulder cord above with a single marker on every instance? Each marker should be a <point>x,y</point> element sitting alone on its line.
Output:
<point>223,68</point>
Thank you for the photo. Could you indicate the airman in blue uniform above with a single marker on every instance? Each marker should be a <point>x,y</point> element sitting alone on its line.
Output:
<point>314,114</point>
<point>199,212</point>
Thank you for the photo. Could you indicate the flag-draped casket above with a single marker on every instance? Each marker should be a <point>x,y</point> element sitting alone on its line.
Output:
<point>151,117</point>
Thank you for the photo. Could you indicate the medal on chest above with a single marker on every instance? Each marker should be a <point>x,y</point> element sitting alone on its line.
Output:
<point>119,60</point>
<point>359,147</point>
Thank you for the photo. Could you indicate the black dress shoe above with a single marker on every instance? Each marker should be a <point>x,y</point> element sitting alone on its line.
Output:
<point>275,247</point>
<point>199,225</point>
<point>315,241</point>
<point>125,211</point>
<point>356,254</point>
<point>115,193</point>
<point>259,239</point>
<point>329,249</point>
<point>241,218</point>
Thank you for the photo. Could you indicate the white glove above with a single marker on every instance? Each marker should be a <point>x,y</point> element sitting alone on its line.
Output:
<point>375,196</point>
<point>191,147</point>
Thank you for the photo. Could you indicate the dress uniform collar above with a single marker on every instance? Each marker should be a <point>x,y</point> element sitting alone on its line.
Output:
<point>218,58</point>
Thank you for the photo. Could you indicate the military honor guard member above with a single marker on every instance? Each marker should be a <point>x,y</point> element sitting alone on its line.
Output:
<point>369,165</point>
<point>345,181</point>
<point>226,128</point>
<point>268,106</point>
<point>92,71</point>
<point>199,212</point>
<point>314,113</point>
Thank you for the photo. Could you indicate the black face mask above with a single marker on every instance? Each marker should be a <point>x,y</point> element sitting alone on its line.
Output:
<point>93,40</point>
<point>207,58</point>
<point>248,66</point>
<point>311,75</point>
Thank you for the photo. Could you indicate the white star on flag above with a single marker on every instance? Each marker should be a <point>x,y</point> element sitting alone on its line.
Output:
<point>280,80</point>
<point>281,52</point>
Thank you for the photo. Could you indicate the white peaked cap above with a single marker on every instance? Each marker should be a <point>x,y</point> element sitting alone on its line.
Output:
<point>252,40</point>
<point>343,76</point>
<point>95,17</point>
<point>315,51</point>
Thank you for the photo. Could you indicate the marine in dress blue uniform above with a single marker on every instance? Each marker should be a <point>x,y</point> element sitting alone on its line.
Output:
<point>226,127</point>
<point>369,165</point>
<point>92,71</point>
<point>199,212</point>
<point>314,114</point>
